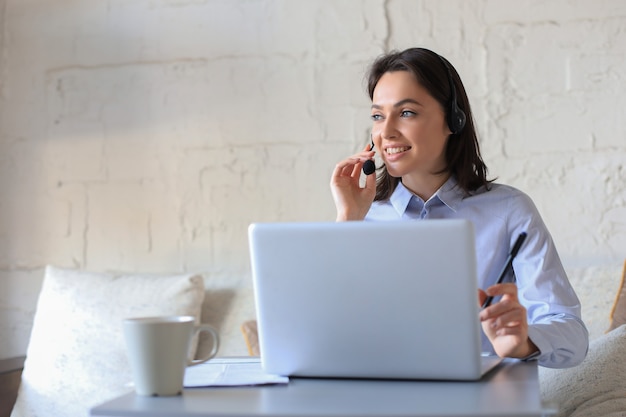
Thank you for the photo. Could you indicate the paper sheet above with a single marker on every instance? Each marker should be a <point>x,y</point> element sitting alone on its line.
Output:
<point>229,372</point>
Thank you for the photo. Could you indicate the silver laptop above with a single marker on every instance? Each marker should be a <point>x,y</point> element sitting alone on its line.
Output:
<point>393,300</point>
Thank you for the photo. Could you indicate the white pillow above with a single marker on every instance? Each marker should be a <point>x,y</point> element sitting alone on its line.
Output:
<point>596,387</point>
<point>76,357</point>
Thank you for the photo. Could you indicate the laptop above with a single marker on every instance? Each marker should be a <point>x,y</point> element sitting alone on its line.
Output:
<point>389,300</point>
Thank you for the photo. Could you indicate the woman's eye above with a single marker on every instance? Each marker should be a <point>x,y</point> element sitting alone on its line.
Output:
<point>376,117</point>
<point>407,113</point>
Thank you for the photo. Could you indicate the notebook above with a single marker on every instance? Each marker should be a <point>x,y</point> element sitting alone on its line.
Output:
<point>392,300</point>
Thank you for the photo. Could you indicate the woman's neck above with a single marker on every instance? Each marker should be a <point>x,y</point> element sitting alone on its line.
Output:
<point>425,186</point>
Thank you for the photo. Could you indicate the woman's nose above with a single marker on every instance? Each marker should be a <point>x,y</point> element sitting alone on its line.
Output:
<point>388,129</point>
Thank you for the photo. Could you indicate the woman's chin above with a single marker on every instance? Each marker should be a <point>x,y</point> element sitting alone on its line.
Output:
<point>394,171</point>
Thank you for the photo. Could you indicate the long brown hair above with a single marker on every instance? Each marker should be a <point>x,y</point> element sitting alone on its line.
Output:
<point>462,152</point>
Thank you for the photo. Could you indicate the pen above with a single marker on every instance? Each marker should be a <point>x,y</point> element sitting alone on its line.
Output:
<point>507,265</point>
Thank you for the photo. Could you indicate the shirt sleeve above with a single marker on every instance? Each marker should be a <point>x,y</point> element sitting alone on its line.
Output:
<point>553,309</point>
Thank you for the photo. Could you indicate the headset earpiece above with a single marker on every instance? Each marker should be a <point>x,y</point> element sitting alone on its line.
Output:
<point>455,117</point>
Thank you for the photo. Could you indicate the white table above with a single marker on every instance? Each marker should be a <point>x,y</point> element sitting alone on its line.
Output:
<point>512,389</point>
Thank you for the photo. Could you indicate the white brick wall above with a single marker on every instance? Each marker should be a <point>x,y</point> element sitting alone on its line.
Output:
<point>146,135</point>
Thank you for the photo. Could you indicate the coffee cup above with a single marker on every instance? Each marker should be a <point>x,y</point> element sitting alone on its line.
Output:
<point>159,352</point>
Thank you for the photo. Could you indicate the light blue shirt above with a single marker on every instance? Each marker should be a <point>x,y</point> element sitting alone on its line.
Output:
<point>499,216</point>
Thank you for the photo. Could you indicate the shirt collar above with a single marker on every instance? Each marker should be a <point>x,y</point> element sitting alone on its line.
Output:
<point>449,194</point>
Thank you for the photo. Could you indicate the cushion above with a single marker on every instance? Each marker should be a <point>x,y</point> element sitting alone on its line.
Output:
<point>76,357</point>
<point>618,312</point>
<point>596,387</point>
<point>251,337</point>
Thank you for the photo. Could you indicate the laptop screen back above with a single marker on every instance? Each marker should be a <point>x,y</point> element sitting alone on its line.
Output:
<point>367,299</point>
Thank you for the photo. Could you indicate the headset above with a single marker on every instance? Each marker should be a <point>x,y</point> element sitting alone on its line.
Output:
<point>454,115</point>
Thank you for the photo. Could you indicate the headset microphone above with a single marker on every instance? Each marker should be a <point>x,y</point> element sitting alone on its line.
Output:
<point>368,166</point>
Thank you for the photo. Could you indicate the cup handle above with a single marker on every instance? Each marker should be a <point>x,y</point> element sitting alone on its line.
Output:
<point>199,328</point>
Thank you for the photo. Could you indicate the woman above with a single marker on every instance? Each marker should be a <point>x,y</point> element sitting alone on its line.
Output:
<point>432,168</point>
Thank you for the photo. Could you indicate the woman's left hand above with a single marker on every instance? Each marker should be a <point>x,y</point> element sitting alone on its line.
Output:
<point>505,322</point>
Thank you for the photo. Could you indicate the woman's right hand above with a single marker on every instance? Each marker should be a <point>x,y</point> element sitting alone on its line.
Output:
<point>351,200</point>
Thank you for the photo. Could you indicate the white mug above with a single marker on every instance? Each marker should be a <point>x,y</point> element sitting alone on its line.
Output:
<point>159,352</point>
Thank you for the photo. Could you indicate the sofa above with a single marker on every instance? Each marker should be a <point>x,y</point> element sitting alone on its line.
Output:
<point>597,387</point>
<point>76,356</point>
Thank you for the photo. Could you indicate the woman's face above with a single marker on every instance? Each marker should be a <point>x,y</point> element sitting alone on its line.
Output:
<point>409,128</point>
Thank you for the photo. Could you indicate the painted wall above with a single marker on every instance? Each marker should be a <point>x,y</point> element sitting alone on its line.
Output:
<point>147,135</point>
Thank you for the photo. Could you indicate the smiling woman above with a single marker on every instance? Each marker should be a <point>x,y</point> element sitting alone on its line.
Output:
<point>439,91</point>
<point>422,125</point>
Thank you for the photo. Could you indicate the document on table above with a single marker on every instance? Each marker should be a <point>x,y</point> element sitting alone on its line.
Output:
<point>230,372</point>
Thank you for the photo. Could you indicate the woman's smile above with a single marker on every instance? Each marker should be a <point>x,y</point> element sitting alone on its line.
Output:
<point>396,150</point>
